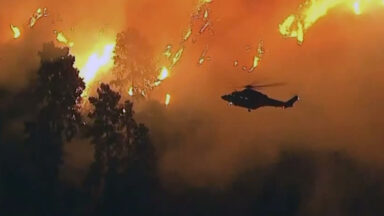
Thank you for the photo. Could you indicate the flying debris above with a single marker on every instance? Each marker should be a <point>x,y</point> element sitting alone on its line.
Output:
<point>167,99</point>
<point>61,38</point>
<point>202,13</point>
<point>40,13</point>
<point>295,25</point>
<point>251,99</point>
<point>16,31</point>
<point>236,63</point>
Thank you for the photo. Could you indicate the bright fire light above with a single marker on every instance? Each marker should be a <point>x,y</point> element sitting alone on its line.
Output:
<point>356,8</point>
<point>295,25</point>
<point>16,31</point>
<point>97,62</point>
<point>163,74</point>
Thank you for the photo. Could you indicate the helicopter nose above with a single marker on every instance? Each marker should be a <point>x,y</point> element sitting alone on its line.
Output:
<point>225,97</point>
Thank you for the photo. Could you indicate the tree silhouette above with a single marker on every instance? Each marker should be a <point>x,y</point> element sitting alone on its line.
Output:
<point>134,64</point>
<point>124,165</point>
<point>57,93</point>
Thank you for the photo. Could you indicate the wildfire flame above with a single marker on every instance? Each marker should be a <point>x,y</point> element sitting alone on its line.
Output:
<point>295,25</point>
<point>97,62</point>
<point>16,31</point>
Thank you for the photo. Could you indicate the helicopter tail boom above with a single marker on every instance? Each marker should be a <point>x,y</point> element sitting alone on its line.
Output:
<point>291,102</point>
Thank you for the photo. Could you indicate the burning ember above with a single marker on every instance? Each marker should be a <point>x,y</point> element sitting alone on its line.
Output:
<point>167,99</point>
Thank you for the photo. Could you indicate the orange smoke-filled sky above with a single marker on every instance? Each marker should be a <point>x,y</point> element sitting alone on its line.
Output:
<point>338,72</point>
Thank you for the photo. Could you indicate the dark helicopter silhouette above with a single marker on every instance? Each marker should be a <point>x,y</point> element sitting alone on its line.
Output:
<point>251,99</point>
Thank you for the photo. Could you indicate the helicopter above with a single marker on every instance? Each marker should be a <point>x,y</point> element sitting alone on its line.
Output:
<point>252,99</point>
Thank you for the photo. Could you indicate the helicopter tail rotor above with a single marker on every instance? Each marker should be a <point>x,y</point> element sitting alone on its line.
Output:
<point>291,101</point>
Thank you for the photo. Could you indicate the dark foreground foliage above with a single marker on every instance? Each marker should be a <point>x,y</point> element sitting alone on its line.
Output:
<point>37,123</point>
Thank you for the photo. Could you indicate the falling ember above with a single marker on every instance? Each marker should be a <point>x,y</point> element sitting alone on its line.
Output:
<point>16,31</point>
<point>203,57</point>
<point>201,60</point>
<point>61,38</point>
<point>206,14</point>
<point>167,99</point>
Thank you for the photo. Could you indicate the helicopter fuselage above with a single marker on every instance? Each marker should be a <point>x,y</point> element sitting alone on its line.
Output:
<point>252,99</point>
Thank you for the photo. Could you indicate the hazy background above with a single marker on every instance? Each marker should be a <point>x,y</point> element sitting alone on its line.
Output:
<point>337,72</point>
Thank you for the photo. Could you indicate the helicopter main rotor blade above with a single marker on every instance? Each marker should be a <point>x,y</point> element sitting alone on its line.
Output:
<point>268,85</point>
<point>263,86</point>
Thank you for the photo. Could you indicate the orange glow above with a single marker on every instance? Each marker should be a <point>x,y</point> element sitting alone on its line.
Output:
<point>97,62</point>
<point>295,25</point>
<point>16,31</point>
